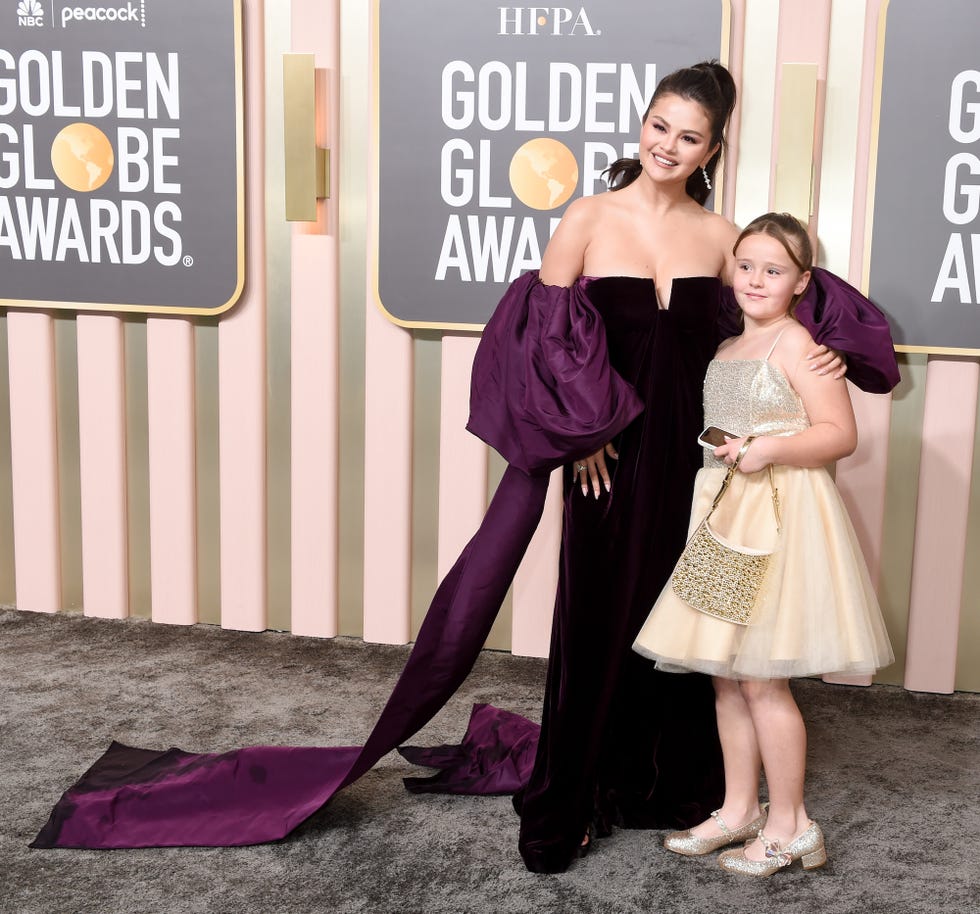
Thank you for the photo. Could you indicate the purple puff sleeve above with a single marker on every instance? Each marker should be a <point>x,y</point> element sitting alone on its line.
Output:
<point>543,391</point>
<point>840,317</point>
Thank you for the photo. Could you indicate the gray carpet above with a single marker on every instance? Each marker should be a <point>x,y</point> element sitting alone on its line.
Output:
<point>893,780</point>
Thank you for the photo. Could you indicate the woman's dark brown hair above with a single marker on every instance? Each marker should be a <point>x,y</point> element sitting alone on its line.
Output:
<point>710,85</point>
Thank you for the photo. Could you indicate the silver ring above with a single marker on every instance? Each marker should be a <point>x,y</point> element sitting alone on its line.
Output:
<point>580,467</point>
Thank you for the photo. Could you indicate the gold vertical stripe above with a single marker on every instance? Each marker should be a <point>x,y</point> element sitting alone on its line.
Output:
<point>901,494</point>
<point>355,107</point>
<point>499,638</point>
<point>138,468</point>
<point>8,594</point>
<point>207,475</point>
<point>794,163</point>
<point>69,464</point>
<point>278,241</point>
<point>427,387</point>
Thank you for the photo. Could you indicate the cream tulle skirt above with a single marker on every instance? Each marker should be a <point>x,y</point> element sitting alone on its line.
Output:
<point>817,611</point>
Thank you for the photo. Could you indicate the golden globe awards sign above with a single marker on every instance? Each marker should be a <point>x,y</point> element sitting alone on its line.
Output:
<point>924,261</point>
<point>492,118</point>
<point>121,184</point>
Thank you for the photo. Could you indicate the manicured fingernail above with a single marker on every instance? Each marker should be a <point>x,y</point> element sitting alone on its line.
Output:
<point>606,484</point>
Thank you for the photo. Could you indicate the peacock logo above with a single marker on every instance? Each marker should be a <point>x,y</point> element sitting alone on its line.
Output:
<point>30,13</point>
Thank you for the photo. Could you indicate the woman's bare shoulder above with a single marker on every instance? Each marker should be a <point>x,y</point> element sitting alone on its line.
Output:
<point>586,207</point>
<point>718,227</point>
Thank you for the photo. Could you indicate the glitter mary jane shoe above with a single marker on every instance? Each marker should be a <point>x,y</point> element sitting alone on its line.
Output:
<point>808,848</point>
<point>683,842</point>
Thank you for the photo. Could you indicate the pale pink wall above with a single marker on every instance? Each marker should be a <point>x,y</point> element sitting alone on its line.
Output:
<point>242,378</point>
<point>34,460</point>
<point>315,350</point>
<point>102,465</point>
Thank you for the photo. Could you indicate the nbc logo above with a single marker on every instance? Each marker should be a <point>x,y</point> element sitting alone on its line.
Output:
<point>30,13</point>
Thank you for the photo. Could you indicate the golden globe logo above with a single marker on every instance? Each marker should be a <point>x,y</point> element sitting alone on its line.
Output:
<point>82,157</point>
<point>543,173</point>
<point>139,220</point>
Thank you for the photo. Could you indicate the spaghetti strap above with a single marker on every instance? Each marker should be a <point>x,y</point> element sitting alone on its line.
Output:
<point>774,342</point>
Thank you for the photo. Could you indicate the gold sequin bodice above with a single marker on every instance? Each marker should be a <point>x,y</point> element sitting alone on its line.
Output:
<point>750,397</point>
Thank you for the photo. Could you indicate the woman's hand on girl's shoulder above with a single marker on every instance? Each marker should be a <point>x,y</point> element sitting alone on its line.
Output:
<point>798,354</point>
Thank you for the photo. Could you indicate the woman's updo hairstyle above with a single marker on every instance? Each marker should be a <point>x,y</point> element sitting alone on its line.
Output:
<point>711,86</point>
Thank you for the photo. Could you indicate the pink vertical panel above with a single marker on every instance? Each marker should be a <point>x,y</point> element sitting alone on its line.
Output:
<point>387,480</point>
<point>462,456</point>
<point>736,50</point>
<point>314,353</point>
<point>34,461</point>
<point>172,453</point>
<point>242,377</point>
<point>861,480</point>
<point>948,431</point>
<point>537,580</point>
<point>102,465</point>
<point>314,431</point>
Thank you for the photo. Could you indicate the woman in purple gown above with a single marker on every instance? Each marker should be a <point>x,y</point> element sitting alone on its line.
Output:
<point>621,743</point>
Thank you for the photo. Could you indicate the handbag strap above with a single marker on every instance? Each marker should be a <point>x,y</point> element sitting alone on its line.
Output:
<point>730,475</point>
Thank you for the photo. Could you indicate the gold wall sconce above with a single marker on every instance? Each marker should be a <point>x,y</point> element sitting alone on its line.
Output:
<point>793,191</point>
<point>307,164</point>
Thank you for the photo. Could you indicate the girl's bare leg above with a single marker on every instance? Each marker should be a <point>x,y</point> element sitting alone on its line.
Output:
<point>781,735</point>
<point>740,751</point>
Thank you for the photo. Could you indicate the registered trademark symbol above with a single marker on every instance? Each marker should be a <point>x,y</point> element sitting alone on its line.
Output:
<point>188,260</point>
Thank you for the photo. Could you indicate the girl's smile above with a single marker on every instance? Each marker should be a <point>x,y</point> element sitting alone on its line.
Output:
<point>766,279</point>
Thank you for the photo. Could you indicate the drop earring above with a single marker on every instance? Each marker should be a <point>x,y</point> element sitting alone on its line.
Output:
<point>707,180</point>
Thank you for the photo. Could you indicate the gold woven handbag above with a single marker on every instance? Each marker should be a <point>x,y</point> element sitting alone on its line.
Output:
<point>716,576</point>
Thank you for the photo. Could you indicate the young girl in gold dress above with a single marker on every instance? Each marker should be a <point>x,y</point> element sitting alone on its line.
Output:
<point>816,611</point>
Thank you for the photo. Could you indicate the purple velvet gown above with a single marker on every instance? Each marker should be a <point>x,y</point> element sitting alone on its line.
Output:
<point>620,742</point>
